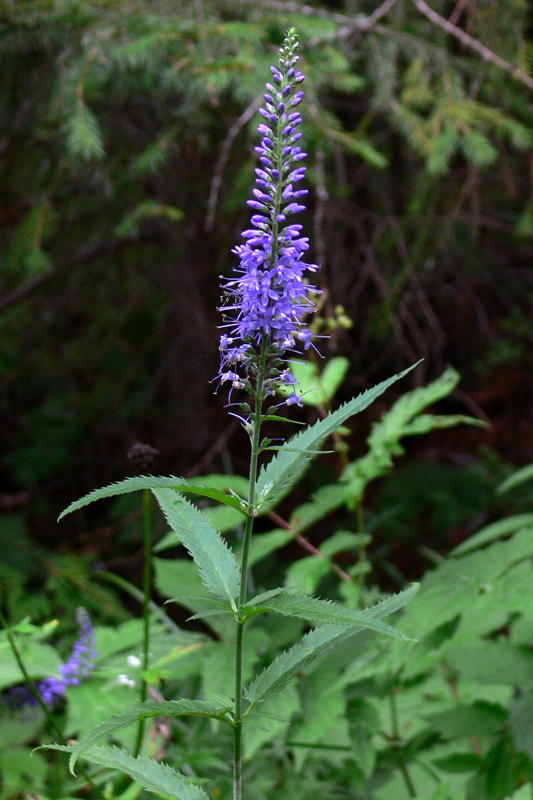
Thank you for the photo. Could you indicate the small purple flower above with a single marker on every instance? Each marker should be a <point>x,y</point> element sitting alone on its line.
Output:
<point>268,300</point>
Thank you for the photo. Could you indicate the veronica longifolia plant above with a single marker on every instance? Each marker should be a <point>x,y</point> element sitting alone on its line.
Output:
<point>270,299</point>
<point>264,318</point>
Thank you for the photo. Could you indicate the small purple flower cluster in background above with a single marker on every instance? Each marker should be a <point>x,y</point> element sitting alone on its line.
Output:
<point>84,654</point>
<point>270,298</point>
<point>78,666</point>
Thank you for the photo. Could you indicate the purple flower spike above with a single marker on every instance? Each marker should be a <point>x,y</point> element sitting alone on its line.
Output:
<point>266,303</point>
<point>82,659</point>
<point>77,667</point>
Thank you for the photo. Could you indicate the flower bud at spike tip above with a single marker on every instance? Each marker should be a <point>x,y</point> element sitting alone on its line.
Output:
<point>266,303</point>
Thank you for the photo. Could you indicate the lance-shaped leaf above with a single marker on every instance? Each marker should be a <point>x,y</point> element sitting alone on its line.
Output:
<point>216,563</point>
<point>278,674</point>
<point>216,707</point>
<point>125,486</point>
<point>156,482</point>
<point>293,604</point>
<point>280,474</point>
<point>154,776</point>
<point>393,603</point>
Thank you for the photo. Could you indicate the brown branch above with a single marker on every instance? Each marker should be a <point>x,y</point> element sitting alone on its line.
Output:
<point>349,24</point>
<point>473,44</point>
<point>223,160</point>
<point>30,287</point>
<point>302,541</point>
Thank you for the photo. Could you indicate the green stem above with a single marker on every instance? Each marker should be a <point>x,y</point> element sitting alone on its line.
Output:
<point>396,737</point>
<point>147,584</point>
<point>48,714</point>
<point>256,441</point>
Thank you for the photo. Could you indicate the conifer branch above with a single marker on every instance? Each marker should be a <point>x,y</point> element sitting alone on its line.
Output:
<point>350,24</point>
<point>472,43</point>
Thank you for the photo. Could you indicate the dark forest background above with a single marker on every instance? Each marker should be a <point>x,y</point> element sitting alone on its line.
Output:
<point>126,157</point>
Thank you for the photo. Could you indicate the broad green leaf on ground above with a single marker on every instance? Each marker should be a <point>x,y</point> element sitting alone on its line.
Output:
<point>215,707</point>
<point>479,718</point>
<point>457,584</point>
<point>125,486</point>
<point>153,775</point>
<point>280,474</point>
<point>491,662</point>
<point>215,561</point>
<point>277,675</point>
<point>40,660</point>
<point>294,604</point>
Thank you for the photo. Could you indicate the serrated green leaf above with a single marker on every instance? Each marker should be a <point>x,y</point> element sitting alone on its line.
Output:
<point>393,603</point>
<point>153,775</point>
<point>215,561</point>
<point>125,486</point>
<point>409,405</point>
<point>216,707</point>
<point>318,611</point>
<point>277,675</point>
<point>280,474</point>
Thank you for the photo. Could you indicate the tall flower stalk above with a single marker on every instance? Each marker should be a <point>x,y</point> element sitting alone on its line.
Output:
<point>267,303</point>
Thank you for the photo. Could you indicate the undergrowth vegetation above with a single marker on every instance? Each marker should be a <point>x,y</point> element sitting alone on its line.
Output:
<point>444,713</point>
